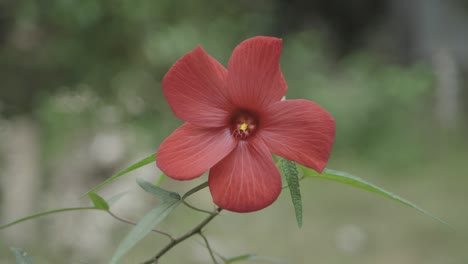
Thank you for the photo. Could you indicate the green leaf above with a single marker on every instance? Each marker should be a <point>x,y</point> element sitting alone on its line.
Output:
<point>98,201</point>
<point>290,172</point>
<point>114,199</point>
<point>47,213</point>
<point>143,228</point>
<point>195,189</point>
<point>161,179</point>
<point>139,164</point>
<point>239,258</point>
<point>250,257</point>
<point>22,257</point>
<point>346,178</point>
<point>158,192</point>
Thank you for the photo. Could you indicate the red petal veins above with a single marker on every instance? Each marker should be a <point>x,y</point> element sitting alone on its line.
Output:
<point>190,150</point>
<point>299,130</point>
<point>246,180</point>
<point>254,76</point>
<point>195,89</point>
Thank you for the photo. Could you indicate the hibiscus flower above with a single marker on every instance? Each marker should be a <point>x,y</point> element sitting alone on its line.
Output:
<point>235,119</point>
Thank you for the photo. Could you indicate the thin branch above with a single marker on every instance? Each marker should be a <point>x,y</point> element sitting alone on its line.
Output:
<point>196,209</point>
<point>223,258</point>
<point>121,219</point>
<point>196,230</point>
<point>208,247</point>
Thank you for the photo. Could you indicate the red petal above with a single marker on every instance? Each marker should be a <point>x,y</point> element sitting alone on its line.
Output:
<point>254,75</point>
<point>190,150</point>
<point>299,130</point>
<point>195,89</point>
<point>246,180</point>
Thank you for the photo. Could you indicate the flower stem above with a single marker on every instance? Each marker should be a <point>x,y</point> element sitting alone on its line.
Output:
<point>196,230</point>
<point>121,219</point>
<point>196,209</point>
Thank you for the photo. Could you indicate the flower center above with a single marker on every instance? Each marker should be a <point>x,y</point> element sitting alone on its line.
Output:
<point>243,124</point>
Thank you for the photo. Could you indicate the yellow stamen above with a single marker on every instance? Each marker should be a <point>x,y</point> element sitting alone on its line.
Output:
<point>243,127</point>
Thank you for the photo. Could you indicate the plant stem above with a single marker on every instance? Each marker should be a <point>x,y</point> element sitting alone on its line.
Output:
<point>208,247</point>
<point>196,209</point>
<point>224,259</point>
<point>196,230</point>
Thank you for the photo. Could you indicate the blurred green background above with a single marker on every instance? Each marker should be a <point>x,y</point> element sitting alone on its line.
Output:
<point>80,98</point>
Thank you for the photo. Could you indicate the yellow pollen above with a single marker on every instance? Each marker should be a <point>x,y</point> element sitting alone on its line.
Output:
<point>243,127</point>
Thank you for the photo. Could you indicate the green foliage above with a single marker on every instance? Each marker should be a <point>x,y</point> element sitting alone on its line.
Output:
<point>170,200</point>
<point>161,180</point>
<point>22,257</point>
<point>346,178</point>
<point>47,213</point>
<point>144,227</point>
<point>250,257</point>
<point>292,177</point>
<point>138,164</point>
<point>165,196</point>
<point>114,199</point>
<point>98,201</point>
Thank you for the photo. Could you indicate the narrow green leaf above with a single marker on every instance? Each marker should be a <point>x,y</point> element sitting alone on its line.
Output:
<point>138,164</point>
<point>114,199</point>
<point>195,189</point>
<point>143,228</point>
<point>98,201</point>
<point>290,172</point>
<point>239,258</point>
<point>158,191</point>
<point>22,257</point>
<point>47,213</point>
<point>346,178</point>
<point>162,179</point>
<point>250,257</point>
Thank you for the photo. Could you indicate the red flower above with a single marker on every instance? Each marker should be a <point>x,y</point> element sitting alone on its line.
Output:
<point>234,119</point>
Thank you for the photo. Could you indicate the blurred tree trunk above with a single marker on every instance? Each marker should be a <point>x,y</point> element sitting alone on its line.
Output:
<point>21,182</point>
<point>432,31</point>
<point>447,97</point>
<point>68,232</point>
